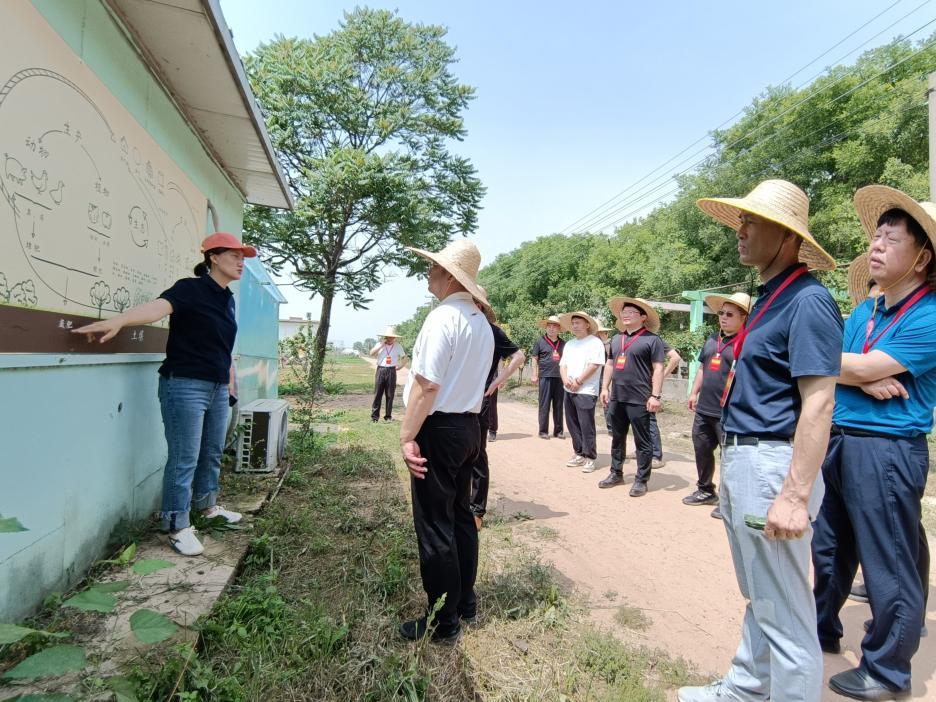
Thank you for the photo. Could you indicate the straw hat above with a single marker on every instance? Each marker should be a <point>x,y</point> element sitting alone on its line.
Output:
<point>488,310</point>
<point>551,319</point>
<point>603,328</point>
<point>617,303</point>
<point>872,201</point>
<point>742,300</point>
<point>778,201</point>
<point>859,279</point>
<point>462,259</point>
<point>389,332</point>
<point>565,321</point>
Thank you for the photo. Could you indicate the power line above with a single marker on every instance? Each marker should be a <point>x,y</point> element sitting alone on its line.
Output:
<point>603,221</point>
<point>596,214</point>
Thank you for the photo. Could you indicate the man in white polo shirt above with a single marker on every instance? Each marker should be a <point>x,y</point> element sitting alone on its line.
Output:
<point>440,438</point>
<point>582,360</point>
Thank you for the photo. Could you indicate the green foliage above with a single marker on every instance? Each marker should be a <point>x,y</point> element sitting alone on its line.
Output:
<point>151,627</point>
<point>57,660</point>
<point>10,525</point>
<point>92,600</point>
<point>855,128</point>
<point>151,565</point>
<point>362,119</point>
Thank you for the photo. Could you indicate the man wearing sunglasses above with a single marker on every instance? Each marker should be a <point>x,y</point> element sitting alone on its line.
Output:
<point>716,359</point>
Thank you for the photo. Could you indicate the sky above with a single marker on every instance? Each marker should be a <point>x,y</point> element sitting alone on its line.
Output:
<point>577,101</point>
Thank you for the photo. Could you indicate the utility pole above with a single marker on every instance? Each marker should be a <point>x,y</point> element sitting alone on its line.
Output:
<point>931,98</point>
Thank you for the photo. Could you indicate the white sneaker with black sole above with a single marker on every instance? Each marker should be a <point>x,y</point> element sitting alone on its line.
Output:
<point>575,461</point>
<point>219,511</point>
<point>185,542</point>
<point>589,467</point>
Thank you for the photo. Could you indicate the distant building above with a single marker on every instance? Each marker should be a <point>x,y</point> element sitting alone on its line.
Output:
<point>289,327</point>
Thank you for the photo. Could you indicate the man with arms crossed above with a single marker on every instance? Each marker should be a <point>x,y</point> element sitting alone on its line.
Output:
<point>776,419</point>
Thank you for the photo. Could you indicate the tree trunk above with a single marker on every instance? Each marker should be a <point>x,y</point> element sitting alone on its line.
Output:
<point>321,335</point>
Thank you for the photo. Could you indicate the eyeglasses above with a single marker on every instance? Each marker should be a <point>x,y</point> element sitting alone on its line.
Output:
<point>725,313</point>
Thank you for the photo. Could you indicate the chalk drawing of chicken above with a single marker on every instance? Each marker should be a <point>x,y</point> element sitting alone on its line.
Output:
<point>40,182</point>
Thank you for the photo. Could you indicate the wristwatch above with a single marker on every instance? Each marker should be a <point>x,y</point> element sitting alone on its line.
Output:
<point>657,397</point>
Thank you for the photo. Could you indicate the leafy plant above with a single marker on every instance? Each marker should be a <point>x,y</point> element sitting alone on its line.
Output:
<point>56,660</point>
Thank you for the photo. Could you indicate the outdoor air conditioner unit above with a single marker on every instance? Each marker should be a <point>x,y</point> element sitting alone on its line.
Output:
<point>261,444</point>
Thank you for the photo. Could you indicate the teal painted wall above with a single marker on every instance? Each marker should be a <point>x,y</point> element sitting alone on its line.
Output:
<point>82,437</point>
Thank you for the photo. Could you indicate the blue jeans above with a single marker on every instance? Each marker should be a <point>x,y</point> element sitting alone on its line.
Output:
<point>779,655</point>
<point>195,416</point>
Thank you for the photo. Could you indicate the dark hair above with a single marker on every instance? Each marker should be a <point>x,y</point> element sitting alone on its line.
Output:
<point>895,216</point>
<point>636,307</point>
<point>205,266</point>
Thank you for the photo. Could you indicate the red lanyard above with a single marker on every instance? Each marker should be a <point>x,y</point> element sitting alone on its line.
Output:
<point>869,342</point>
<point>719,349</point>
<point>633,339</point>
<point>555,347</point>
<point>739,342</point>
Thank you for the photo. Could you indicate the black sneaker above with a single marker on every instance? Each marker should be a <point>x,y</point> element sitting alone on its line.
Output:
<point>716,513</point>
<point>830,646</point>
<point>418,629</point>
<point>559,435</point>
<point>859,593</point>
<point>701,497</point>
<point>469,620</point>
<point>638,489</point>
<point>543,435</point>
<point>613,479</point>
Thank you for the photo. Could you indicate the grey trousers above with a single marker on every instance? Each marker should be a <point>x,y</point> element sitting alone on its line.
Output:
<point>779,655</point>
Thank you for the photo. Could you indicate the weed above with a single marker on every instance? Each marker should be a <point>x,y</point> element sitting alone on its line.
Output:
<point>632,618</point>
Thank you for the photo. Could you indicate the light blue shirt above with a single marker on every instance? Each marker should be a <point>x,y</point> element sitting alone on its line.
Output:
<point>912,343</point>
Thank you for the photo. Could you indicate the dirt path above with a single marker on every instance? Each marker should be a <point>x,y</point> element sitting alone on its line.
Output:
<point>653,553</point>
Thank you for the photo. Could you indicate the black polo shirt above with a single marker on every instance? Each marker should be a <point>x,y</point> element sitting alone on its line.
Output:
<point>542,351</point>
<point>633,383</point>
<point>714,373</point>
<point>800,335</point>
<point>202,328</point>
<point>503,348</point>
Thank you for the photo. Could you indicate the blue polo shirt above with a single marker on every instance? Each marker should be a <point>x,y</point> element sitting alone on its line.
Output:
<point>800,335</point>
<point>912,343</point>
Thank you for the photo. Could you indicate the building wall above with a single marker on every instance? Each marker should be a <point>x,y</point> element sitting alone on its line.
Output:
<point>81,435</point>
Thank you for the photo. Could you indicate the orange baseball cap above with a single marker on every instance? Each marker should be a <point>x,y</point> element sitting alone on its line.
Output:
<point>223,240</point>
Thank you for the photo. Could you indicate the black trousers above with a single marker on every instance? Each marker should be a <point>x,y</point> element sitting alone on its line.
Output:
<point>492,412</point>
<point>481,473</point>
<point>551,394</point>
<point>445,528</point>
<point>655,440</point>
<point>624,416</point>
<point>580,416</point>
<point>384,384</point>
<point>706,436</point>
<point>871,515</point>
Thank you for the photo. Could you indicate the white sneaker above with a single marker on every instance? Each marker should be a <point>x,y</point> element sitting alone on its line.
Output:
<point>219,511</point>
<point>185,542</point>
<point>575,461</point>
<point>715,692</point>
<point>589,467</point>
<point>657,463</point>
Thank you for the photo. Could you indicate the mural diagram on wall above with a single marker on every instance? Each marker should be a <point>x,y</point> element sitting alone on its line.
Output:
<point>94,216</point>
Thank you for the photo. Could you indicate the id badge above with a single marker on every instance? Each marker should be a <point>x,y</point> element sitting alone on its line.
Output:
<point>620,362</point>
<point>555,355</point>
<point>728,382</point>
<point>715,363</point>
<point>388,361</point>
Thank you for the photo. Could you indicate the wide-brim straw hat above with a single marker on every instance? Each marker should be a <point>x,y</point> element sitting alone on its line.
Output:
<point>565,321</point>
<point>716,302</point>
<point>551,319</point>
<point>389,332</point>
<point>778,201</point>
<point>859,278</point>
<point>872,201</point>
<point>617,303</point>
<point>461,259</point>
<point>486,305</point>
<point>603,328</point>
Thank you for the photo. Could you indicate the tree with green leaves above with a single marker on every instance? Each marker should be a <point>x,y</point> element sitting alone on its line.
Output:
<point>362,120</point>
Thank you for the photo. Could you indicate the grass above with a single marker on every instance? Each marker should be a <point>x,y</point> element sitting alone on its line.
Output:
<point>332,570</point>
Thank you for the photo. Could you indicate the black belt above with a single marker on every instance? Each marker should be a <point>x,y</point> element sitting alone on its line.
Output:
<point>730,439</point>
<point>849,431</point>
<point>393,368</point>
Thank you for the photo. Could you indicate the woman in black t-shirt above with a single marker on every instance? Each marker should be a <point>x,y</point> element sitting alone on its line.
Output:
<point>195,384</point>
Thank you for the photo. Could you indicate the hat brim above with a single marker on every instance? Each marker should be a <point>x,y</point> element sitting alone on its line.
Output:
<point>859,279</point>
<point>543,323</point>
<point>453,269</point>
<point>727,211</point>
<point>872,201</point>
<point>565,321</point>
<point>716,302</point>
<point>617,304</point>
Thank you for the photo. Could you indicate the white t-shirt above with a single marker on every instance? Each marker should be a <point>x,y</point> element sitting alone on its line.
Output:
<point>577,355</point>
<point>389,356</point>
<point>454,349</point>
